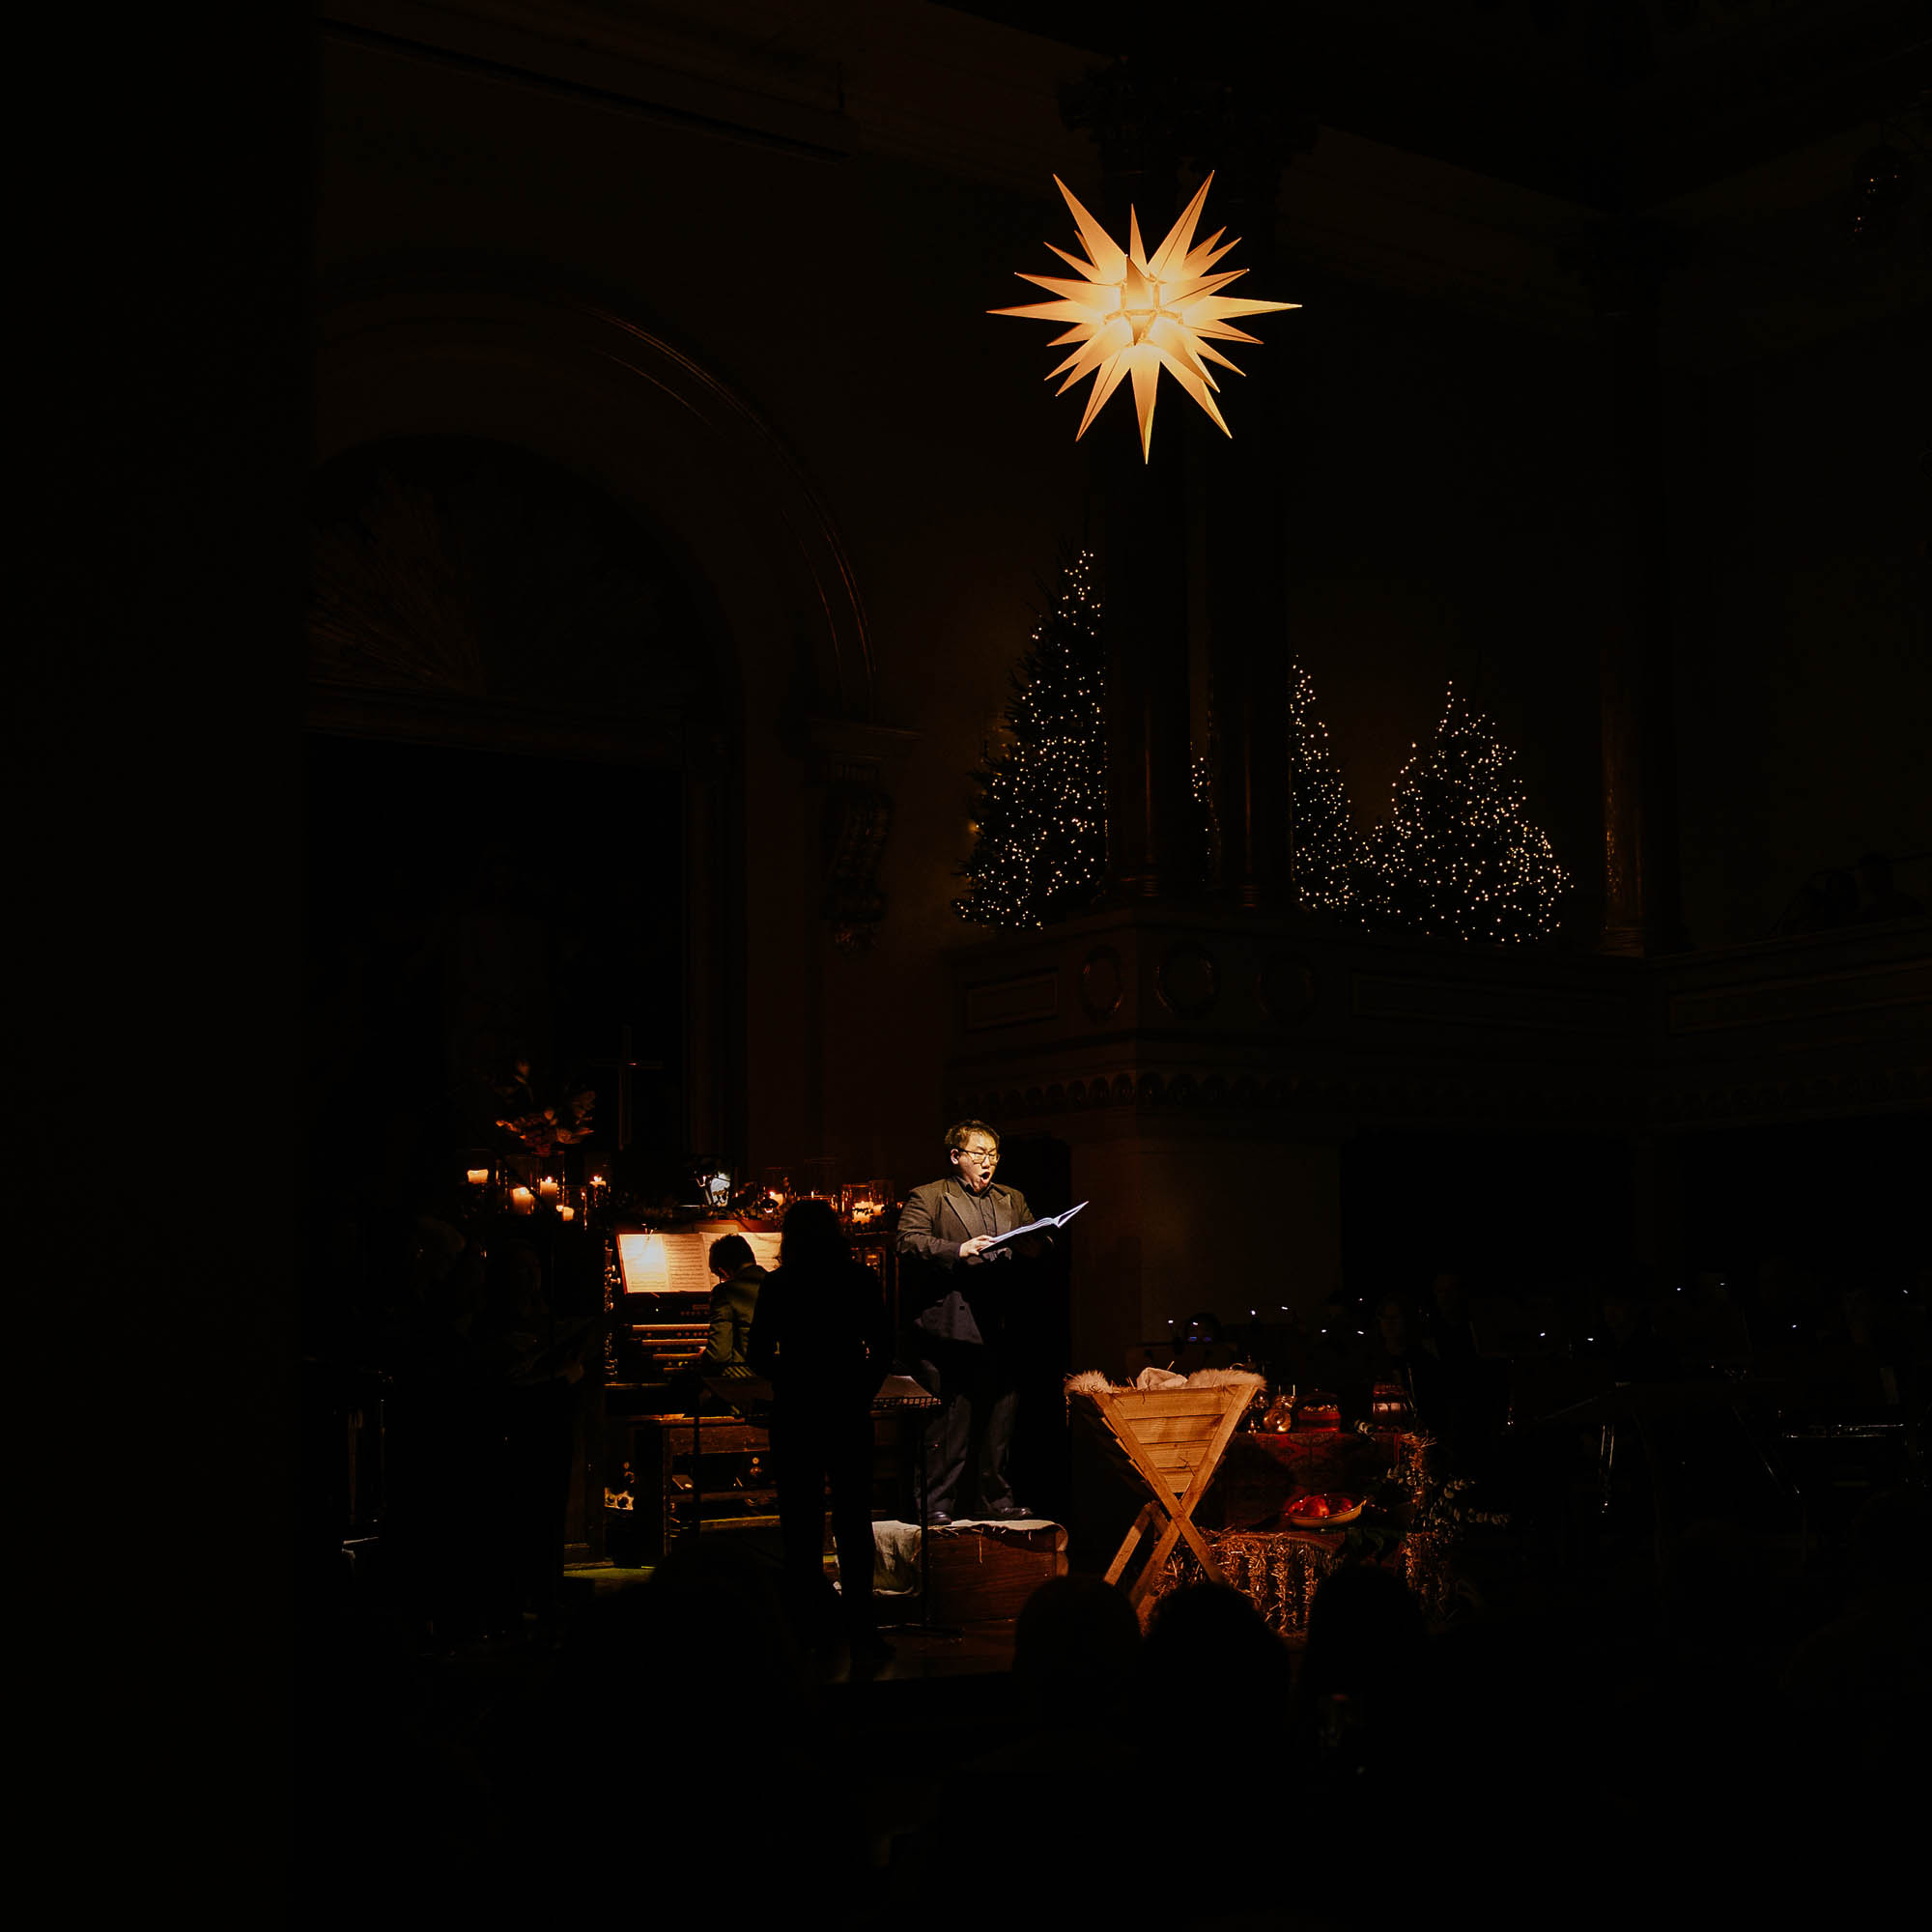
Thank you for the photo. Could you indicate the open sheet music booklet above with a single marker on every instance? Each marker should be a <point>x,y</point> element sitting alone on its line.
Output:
<point>1034,1227</point>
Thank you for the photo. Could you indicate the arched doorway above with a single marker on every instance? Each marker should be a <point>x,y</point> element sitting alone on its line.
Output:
<point>773,725</point>
<point>495,823</point>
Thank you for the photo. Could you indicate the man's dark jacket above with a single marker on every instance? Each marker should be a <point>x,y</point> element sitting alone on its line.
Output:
<point>940,1295</point>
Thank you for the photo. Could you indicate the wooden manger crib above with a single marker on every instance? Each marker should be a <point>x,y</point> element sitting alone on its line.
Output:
<point>1172,1441</point>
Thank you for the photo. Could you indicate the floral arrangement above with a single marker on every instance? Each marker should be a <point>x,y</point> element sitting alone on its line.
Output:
<point>1424,1514</point>
<point>1374,1533</point>
<point>1441,1510</point>
<point>543,1130</point>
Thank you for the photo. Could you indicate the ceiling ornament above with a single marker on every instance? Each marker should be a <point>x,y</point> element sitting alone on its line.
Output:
<point>1135,314</point>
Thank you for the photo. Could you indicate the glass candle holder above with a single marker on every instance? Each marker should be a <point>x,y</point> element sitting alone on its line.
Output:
<point>862,1202</point>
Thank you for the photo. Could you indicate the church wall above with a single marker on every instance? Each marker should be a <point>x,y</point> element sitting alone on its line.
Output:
<point>1184,1224</point>
<point>1444,465</point>
<point>1805,684</point>
<point>1442,523</point>
<point>844,303</point>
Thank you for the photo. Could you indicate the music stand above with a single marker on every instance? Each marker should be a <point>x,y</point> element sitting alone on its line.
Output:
<point>899,1393</point>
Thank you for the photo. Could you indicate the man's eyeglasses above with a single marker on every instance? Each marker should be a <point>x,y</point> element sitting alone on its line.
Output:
<point>980,1156</point>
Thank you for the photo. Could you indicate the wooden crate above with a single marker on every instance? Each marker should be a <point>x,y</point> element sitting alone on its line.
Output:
<point>981,1571</point>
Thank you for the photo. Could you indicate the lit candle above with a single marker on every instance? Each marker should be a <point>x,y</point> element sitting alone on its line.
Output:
<point>521,1200</point>
<point>566,1213</point>
<point>548,1189</point>
<point>477,1176</point>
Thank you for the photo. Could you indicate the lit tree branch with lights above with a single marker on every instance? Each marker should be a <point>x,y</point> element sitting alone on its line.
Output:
<point>1206,822</point>
<point>1324,842</point>
<point>1039,852</point>
<point>1458,857</point>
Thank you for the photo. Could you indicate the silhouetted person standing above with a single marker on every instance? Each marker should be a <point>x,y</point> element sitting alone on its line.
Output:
<point>1399,1354</point>
<point>1451,1326</point>
<point>534,1356</point>
<point>821,1335</point>
<point>1629,1342</point>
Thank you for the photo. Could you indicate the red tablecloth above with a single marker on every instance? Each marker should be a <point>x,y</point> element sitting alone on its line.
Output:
<point>1280,1565</point>
<point>1262,1473</point>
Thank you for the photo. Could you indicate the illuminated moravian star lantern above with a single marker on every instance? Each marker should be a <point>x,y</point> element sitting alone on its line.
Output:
<point>1135,314</point>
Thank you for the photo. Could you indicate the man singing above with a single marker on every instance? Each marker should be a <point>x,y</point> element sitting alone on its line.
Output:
<point>953,1293</point>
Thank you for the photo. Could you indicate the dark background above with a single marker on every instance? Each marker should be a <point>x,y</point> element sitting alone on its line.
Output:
<point>166,402</point>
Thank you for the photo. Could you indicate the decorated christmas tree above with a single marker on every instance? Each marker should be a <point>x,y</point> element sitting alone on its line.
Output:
<point>1458,858</point>
<point>1324,842</point>
<point>1039,852</point>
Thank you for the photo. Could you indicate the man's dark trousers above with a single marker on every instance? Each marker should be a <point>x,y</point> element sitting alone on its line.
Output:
<point>967,1439</point>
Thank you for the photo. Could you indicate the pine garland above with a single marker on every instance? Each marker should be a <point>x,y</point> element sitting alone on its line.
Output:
<point>1040,850</point>
<point>1458,857</point>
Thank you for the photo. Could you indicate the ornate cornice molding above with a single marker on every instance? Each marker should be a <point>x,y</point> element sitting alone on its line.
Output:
<point>1276,1101</point>
<point>1069,1029</point>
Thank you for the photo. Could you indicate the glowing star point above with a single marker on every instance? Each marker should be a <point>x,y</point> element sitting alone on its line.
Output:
<point>1132,313</point>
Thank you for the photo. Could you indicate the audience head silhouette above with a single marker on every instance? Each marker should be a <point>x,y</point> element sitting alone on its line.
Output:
<point>1365,1635</point>
<point>1208,1645</point>
<point>1075,1645</point>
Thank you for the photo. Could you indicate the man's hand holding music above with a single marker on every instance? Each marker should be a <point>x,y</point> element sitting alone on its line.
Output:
<point>975,1247</point>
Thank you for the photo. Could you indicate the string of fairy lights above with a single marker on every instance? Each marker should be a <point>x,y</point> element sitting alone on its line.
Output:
<point>1456,858</point>
<point>1208,823</point>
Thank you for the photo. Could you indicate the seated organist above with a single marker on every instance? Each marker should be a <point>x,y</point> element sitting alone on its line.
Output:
<point>734,1301</point>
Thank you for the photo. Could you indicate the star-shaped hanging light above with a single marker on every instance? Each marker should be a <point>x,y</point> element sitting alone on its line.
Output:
<point>1135,314</point>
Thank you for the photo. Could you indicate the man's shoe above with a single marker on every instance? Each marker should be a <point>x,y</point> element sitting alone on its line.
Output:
<point>938,1519</point>
<point>1012,1511</point>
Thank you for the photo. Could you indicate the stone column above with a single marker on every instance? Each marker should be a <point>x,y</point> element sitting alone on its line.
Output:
<point>1625,263</point>
<point>1247,580</point>
<point>1149,794</point>
<point>1137,114</point>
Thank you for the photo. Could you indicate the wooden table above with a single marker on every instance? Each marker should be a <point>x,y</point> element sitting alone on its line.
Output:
<point>1261,1472</point>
